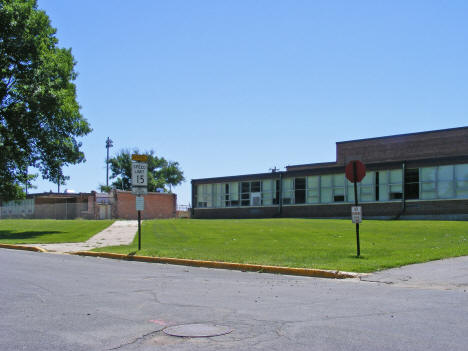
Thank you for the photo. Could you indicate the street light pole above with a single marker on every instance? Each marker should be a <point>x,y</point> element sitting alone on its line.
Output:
<point>108,146</point>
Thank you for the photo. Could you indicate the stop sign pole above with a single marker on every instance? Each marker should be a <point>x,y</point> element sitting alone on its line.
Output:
<point>358,245</point>
<point>355,172</point>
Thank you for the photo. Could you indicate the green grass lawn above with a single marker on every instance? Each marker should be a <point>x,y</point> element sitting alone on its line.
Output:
<point>311,243</point>
<point>45,231</point>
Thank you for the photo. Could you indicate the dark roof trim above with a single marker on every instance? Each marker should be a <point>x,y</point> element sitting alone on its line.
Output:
<point>402,135</point>
<point>244,177</point>
<point>323,164</point>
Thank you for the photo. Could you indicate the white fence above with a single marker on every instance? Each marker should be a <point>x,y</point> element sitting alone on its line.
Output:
<point>53,210</point>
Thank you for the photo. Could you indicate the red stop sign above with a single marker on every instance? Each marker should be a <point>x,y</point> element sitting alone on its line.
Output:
<point>360,171</point>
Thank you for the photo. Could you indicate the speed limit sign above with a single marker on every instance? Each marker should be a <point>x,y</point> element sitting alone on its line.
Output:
<point>139,177</point>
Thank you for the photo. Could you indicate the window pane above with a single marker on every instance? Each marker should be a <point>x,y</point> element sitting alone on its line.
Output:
<point>367,193</point>
<point>267,191</point>
<point>368,179</point>
<point>339,191</point>
<point>313,189</point>
<point>327,195</point>
<point>396,176</point>
<point>428,174</point>
<point>288,191</point>
<point>445,189</point>
<point>383,177</point>
<point>255,187</point>
<point>461,171</point>
<point>383,187</point>
<point>234,191</point>
<point>287,184</point>
<point>312,182</point>
<point>445,173</point>
<point>461,174</point>
<point>338,179</point>
<point>428,186</point>
<point>208,194</point>
<point>351,192</point>
<point>217,195</point>
<point>313,196</point>
<point>326,180</point>
<point>326,190</point>
<point>383,191</point>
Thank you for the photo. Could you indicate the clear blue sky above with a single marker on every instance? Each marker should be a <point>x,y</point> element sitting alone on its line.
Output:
<point>236,87</point>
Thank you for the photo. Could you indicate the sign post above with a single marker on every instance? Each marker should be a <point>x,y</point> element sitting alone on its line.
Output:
<point>139,186</point>
<point>355,172</point>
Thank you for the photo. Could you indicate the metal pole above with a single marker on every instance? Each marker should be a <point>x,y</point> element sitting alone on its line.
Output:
<point>356,204</point>
<point>107,166</point>
<point>139,230</point>
<point>108,146</point>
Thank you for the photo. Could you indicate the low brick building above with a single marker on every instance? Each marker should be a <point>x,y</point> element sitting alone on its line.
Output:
<point>157,205</point>
<point>417,175</point>
<point>118,204</point>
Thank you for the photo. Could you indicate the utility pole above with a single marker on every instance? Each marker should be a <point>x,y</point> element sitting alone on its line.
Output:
<point>108,146</point>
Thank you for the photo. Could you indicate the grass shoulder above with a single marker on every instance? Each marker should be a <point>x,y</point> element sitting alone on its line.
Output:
<point>309,243</point>
<point>46,231</point>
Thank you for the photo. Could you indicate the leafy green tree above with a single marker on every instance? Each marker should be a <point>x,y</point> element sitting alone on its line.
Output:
<point>161,173</point>
<point>40,118</point>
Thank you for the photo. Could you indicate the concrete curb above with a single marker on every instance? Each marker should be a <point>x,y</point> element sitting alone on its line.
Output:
<point>22,247</point>
<point>225,265</point>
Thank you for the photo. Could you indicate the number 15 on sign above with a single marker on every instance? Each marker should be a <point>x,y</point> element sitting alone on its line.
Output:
<point>139,174</point>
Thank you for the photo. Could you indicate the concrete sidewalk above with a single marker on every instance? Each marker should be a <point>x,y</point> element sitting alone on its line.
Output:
<point>119,233</point>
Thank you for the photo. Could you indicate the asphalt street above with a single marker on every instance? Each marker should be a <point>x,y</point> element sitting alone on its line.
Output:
<point>63,302</point>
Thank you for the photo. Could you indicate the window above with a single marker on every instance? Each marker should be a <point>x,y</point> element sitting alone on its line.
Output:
<point>204,195</point>
<point>288,191</point>
<point>338,187</point>
<point>428,183</point>
<point>218,195</point>
<point>251,193</point>
<point>276,192</point>
<point>313,189</point>
<point>445,188</point>
<point>268,191</point>
<point>395,184</point>
<point>461,179</point>
<point>326,189</point>
<point>412,183</point>
<point>299,190</point>
<point>231,194</point>
<point>245,194</point>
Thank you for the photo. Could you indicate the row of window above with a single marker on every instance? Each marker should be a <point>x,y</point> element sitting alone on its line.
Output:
<point>440,182</point>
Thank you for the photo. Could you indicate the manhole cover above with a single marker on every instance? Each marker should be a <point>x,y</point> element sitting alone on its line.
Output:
<point>197,330</point>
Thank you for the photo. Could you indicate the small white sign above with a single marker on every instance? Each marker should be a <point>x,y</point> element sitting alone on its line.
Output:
<point>139,174</point>
<point>139,190</point>
<point>140,203</point>
<point>356,214</point>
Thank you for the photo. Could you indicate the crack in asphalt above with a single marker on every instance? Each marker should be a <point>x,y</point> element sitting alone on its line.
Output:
<point>138,339</point>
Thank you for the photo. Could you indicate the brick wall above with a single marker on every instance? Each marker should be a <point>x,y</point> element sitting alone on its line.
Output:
<point>157,205</point>
<point>434,144</point>
<point>387,210</point>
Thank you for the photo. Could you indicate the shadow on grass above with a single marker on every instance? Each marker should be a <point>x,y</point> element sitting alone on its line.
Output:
<point>8,234</point>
